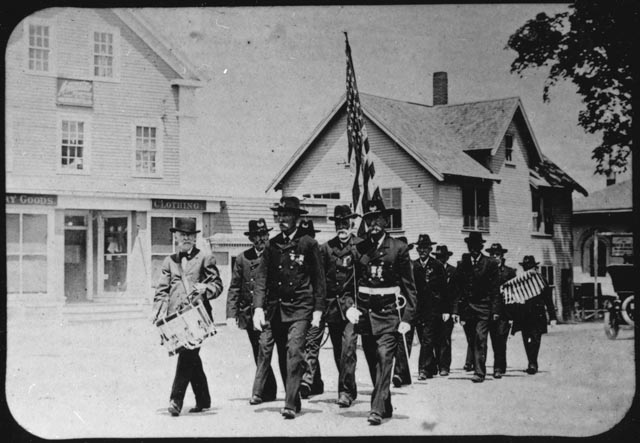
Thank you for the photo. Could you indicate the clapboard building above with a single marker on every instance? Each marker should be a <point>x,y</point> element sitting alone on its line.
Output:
<point>447,170</point>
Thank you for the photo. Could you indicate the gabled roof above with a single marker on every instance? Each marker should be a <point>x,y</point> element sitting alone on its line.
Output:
<point>171,55</point>
<point>437,137</point>
<point>614,198</point>
<point>556,177</point>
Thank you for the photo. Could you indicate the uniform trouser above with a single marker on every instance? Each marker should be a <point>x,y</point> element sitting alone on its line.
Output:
<point>344,340</point>
<point>379,351</point>
<point>444,329</point>
<point>481,328</point>
<point>470,333</point>
<point>312,375</point>
<point>401,367</point>
<point>289,338</point>
<point>427,362</point>
<point>499,332</point>
<point>189,370</point>
<point>532,340</point>
<point>268,391</point>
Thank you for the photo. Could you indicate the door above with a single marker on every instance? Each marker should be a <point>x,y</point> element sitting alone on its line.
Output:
<point>115,242</point>
<point>75,258</point>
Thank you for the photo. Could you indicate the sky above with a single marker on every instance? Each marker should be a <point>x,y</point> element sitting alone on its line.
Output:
<point>271,74</point>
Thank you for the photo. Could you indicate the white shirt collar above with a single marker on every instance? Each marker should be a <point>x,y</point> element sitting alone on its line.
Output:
<point>290,236</point>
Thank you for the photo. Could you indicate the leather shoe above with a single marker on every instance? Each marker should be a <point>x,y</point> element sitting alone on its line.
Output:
<point>397,381</point>
<point>497,374</point>
<point>305,390</point>
<point>532,369</point>
<point>255,400</point>
<point>374,419</point>
<point>477,378</point>
<point>344,401</point>
<point>468,367</point>
<point>444,372</point>
<point>422,376</point>
<point>198,408</point>
<point>288,413</point>
<point>173,409</point>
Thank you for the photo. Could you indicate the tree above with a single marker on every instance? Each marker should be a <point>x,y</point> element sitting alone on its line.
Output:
<point>591,44</point>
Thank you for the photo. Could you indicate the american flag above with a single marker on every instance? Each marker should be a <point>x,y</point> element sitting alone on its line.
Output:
<point>364,187</point>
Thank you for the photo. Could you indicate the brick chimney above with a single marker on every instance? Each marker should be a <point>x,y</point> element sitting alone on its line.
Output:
<point>611,178</point>
<point>440,89</point>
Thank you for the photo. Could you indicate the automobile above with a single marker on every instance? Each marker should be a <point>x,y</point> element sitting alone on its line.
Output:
<point>620,307</point>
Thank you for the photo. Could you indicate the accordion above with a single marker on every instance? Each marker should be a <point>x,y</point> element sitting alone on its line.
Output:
<point>523,287</point>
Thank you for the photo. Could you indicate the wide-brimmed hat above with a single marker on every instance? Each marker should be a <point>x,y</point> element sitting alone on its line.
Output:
<point>186,225</point>
<point>529,261</point>
<point>289,204</point>
<point>443,250</point>
<point>496,247</point>
<point>424,241</point>
<point>374,207</point>
<point>342,212</point>
<point>257,227</point>
<point>307,225</point>
<point>404,240</point>
<point>474,237</point>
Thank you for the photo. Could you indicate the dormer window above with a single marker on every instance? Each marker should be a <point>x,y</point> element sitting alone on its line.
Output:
<point>508,148</point>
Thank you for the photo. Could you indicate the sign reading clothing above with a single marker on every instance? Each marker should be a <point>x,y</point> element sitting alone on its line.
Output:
<point>31,199</point>
<point>190,205</point>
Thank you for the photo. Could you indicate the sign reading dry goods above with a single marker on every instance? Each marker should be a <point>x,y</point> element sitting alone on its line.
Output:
<point>190,205</point>
<point>31,199</point>
<point>75,92</point>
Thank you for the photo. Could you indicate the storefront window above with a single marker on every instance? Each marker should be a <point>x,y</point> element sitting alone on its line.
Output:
<point>26,253</point>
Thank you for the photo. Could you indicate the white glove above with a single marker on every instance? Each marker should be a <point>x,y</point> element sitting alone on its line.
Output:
<point>317,315</point>
<point>200,287</point>
<point>404,327</point>
<point>258,319</point>
<point>456,318</point>
<point>353,315</point>
<point>445,317</point>
<point>554,322</point>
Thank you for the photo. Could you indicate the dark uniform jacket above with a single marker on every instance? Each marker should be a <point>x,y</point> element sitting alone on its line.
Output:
<point>446,305</point>
<point>171,293</point>
<point>384,267</point>
<point>505,273</point>
<point>291,278</point>
<point>339,267</point>
<point>478,288</point>
<point>242,288</point>
<point>532,316</point>
<point>431,284</point>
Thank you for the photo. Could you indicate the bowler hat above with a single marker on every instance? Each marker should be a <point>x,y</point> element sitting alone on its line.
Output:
<point>474,237</point>
<point>424,241</point>
<point>289,204</point>
<point>307,225</point>
<point>528,261</point>
<point>496,247</point>
<point>186,225</point>
<point>342,212</point>
<point>374,207</point>
<point>443,250</point>
<point>257,227</point>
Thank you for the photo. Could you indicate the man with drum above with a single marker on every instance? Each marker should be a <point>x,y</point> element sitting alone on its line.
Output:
<point>499,330</point>
<point>188,274</point>
<point>532,319</point>
<point>385,304</point>
<point>290,294</point>
<point>444,322</point>
<point>478,302</point>
<point>240,301</point>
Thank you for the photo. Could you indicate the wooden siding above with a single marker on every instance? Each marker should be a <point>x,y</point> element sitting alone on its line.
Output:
<point>143,92</point>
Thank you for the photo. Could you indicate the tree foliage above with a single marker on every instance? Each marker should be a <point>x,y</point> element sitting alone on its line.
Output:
<point>592,45</point>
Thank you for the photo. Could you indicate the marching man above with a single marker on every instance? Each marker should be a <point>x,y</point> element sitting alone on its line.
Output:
<point>384,305</point>
<point>188,272</point>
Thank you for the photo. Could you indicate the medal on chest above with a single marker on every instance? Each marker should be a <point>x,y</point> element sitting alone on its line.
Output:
<point>297,258</point>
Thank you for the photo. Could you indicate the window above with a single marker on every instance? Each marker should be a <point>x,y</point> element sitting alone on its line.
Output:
<point>146,147</point>
<point>508,148</point>
<point>603,252</point>
<point>39,48</point>
<point>26,253</point>
<point>73,144</point>
<point>162,244</point>
<point>541,213</point>
<point>103,54</point>
<point>475,209</point>
<point>392,199</point>
<point>326,195</point>
<point>548,274</point>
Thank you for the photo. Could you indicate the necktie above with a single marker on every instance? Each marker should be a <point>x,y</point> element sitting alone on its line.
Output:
<point>184,262</point>
<point>286,239</point>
